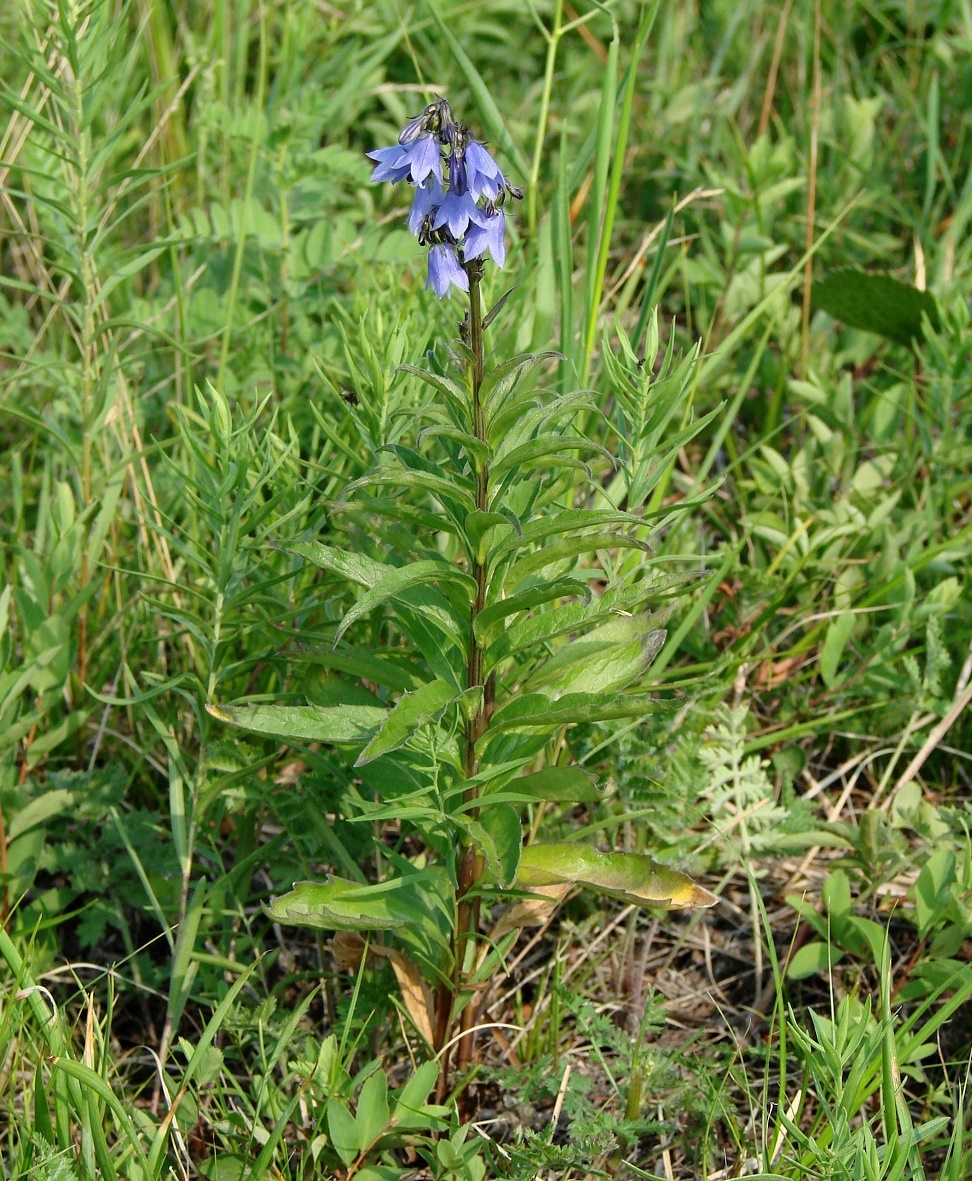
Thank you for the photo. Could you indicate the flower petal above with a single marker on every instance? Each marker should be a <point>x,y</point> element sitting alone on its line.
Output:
<point>445,271</point>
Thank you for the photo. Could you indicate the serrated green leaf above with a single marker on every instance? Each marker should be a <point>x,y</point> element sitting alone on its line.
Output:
<point>876,303</point>
<point>403,578</point>
<point>410,712</point>
<point>632,877</point>
<point>342,725</point>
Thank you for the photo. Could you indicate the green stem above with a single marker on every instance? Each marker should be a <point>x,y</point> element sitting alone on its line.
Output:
<point>470,861</point>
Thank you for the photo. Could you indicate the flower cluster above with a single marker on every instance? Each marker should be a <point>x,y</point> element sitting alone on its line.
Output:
<point>460,192</point>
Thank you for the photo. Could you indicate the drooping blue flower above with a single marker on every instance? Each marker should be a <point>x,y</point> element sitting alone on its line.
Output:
<point>428,198</point>
<point>445,271</point>
<point>488,234</point>
<point>393,164</point>
<point>482,172</point>
<point>414,161</point>
<point>456,213</point>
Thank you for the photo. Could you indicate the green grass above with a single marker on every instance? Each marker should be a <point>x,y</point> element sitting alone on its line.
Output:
<point>203,305</point>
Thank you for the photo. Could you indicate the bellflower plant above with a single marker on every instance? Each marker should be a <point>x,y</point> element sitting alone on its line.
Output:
<point>476,639</point>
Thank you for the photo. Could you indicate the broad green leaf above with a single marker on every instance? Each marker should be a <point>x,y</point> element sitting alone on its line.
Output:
<point>570,785</point>
<point>812,959</point>
<point>876,303</point>
<point>342,725</point>
<point>403,578</point>
<point>371,1118</point>
<point>342,1130</point>
<point>410,1107</point>
<point>498,835</point>
<point>632,877</point>
<point>339,905</point>
<point>410,712</point>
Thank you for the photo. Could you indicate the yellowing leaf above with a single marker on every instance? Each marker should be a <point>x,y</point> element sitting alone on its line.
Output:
<point>632,877</point>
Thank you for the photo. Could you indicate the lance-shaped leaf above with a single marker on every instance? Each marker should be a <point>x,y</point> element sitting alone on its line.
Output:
<point>572,547</point>
<point>338,725</point>
<point>568,617</point>
<point>353,567</point>
<point>388,666</point>
<point>559,785</point>
<point>490,617</point>
<point>631,877</point>
<point>608,658</point>
<point>401,579</point>
<point>410,712</point>
<point>537,710</point>
<point>453,392</point>
<point>500,381</point>
<point>339,905</point>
